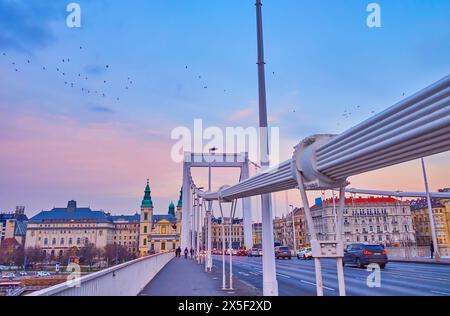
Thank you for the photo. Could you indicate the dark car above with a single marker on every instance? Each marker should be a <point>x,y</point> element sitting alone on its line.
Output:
<point>283,252</point>
<point>362,255</point>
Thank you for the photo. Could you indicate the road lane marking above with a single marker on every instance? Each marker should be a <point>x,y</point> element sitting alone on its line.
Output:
<point>311,283</point>
<point>243,273</point>
<point>440,293</point>
<point>248,284</point>
<point>254,273</point>
<point>284,276</point>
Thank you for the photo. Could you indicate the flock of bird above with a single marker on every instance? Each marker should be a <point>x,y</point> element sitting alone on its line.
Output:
<point>81,81</point>
<point>77,80</point>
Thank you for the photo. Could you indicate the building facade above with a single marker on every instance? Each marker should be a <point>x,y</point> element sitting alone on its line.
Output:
<point>381,220</point>
<point>284,229</point>
<point>14,225</point>
<point>421,222</point>
<point>237,233</point>
<point>62,229</point>
<point>257,235</point>
<point>126,232</point>
<point>158,233</point>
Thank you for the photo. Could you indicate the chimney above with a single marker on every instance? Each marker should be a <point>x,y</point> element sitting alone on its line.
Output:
<point>72,206</point>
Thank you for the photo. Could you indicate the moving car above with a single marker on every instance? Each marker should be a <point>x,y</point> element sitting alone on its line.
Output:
<point>9,276</point>
<point>283,252</point>
<point>362,255</point>
<point>43,274</point>
<point>242,253</point>
<point>254,252</point>
<point>305,254</point>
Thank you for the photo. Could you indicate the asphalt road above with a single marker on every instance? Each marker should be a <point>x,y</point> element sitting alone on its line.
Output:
<point>297,278</point>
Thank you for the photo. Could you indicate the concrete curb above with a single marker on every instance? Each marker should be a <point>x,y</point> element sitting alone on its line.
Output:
<point>443,263</point>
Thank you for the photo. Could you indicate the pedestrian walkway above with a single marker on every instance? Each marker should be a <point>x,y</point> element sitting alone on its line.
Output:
<point>182,277</point>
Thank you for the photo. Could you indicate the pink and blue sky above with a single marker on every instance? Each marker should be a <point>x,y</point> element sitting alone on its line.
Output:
<point>59,143</point>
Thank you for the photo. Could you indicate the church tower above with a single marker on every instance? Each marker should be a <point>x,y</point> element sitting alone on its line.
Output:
<point>146,221</point>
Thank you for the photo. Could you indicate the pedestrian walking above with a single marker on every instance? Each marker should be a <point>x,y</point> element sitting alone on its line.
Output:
<point>186,252</point>
<point>432,249</point>
<point>192,253</point>
<point>179,252</point>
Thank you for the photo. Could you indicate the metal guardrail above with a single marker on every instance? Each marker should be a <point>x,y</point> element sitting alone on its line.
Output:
<point>127,279</point>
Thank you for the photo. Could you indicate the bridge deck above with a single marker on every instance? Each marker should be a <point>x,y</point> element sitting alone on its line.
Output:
<point>182,277</point>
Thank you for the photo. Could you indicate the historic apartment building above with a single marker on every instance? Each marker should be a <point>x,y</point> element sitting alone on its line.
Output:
<point>14,225</point>
<point>126,232</point>
<point>421,222</point>
<point>257,235</point>
<point>158,233</point>
<point>368,220</point>
<point>237,233</point>
<point>284,229</point>
<point>61,229</point>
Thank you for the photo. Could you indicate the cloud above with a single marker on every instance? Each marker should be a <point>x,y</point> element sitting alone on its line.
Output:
<point>102,164</point>
<point>95,70</point>
<point>26,24</point>
<point>101,109</point>
<point>242,114</point>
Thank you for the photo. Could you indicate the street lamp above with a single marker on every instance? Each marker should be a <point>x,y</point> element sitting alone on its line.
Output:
<point>430,213</point>
<point>293,228</point>
<point>208,265</point>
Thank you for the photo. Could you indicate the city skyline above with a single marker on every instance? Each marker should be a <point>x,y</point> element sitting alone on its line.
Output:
<point>60,144</point>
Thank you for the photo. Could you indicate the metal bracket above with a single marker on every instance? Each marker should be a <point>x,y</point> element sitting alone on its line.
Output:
<point>306,162</point>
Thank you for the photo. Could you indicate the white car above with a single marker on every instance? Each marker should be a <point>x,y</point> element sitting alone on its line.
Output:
<point>23,273</point>
<point>305,254</point>
<point>43,274</point>
<point>9,276</point>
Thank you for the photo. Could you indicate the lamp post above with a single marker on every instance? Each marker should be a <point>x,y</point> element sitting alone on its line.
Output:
<point>208,265</point>
<point>293,229</point>
<point>430,213</point>
<point>270,284</point>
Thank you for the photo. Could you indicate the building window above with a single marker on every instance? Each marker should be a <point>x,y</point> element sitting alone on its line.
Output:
<point>45,241</point>
<point>145,229</point>
<point>54,241</point>
<point>163,246</point>
<point>62,241</point>
<point>78,241</point>
<point>70,241</point>
<point>145,216</point>
<point>145,242</point>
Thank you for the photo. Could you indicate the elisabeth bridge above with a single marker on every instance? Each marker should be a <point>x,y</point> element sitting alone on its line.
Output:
<point>414,128</point>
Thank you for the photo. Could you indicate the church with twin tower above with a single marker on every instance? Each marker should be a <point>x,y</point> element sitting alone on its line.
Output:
<point>159,233</point>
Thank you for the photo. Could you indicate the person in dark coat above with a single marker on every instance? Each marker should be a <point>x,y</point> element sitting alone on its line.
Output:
<point>432,249</point>
<point>179,252</point>
<point>192,253</point>
<point>186,252</point>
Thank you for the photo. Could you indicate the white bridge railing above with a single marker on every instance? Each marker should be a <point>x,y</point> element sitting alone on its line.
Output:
<point>127,279</point>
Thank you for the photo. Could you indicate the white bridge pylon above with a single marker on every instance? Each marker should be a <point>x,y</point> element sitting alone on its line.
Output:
<point>416,127</point>
<point>190,190</point>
